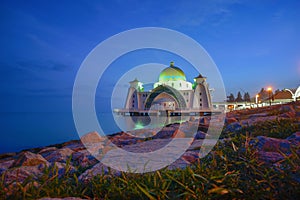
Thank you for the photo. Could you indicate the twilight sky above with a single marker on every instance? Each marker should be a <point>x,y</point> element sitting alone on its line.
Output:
<point>255,44</point>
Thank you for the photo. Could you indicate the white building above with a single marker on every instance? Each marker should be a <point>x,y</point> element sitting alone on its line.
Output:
<point>171,92</point>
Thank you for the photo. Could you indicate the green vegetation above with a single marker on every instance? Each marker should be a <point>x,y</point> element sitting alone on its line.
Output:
<point>279,128</point>
<point>230,171</point>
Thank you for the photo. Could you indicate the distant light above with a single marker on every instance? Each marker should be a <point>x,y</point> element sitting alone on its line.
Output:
<point>257,96</point>
<point>269,89</point>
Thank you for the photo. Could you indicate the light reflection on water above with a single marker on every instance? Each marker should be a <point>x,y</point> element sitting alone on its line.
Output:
<point>128,123</point>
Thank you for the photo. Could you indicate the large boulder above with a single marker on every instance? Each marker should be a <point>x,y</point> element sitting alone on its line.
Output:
<point>29,159</point>
<point>166,132</point>
<point>6,164</point>
<point>294,139</point>
<point>254,120</point>
<point>204,120</point>
<point>180,134</point>
<point>98,169</point>
<point>60,155</point>
<point>179,164</point>
<point>83,158</point>
<point>75,146</point>
<point>200,135</point>
<point>286,108</point>
<point>92,137</point>
<point>229,120</point>
<point>270,157</point>
<point>46,151</point>
<point>235,126</point>
<point>19,174</point>
<point>268,144</point>
<point>190,156</point>
<point>62,168</point>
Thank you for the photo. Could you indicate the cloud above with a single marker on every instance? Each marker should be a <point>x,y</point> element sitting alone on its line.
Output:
<point>47,65</point>
<point>195,13</point>
<point>31,78</point>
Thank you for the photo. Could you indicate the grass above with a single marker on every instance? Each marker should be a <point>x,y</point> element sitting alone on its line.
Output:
<point>278,128</point>
<point>230,171</point>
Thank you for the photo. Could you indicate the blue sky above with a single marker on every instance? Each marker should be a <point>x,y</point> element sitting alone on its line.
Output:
<point>254,43</point>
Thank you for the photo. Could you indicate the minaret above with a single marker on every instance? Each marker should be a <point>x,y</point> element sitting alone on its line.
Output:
<point>133,100</point>
<point>202,98</point>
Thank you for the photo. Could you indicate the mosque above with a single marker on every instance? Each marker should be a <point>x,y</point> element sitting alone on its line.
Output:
<point>172,93</point>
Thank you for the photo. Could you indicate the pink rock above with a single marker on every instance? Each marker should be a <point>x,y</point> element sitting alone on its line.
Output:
<point>19,174</point>
<point>75,146</point>
<point>269,144</point>
<point>190,156</point>
<point>179,134</point>
<point>62,168</point>
<point>5,164</point>
<point>29,159</point>
<point>60,155</point>
<point>47,149</point>
<point>92,137</point>
<point>270,157</point>
<point>230,120</point>
<point>294,139</point>
<point>84,158</point>
<point>179,164</point>
<point>98,169</point>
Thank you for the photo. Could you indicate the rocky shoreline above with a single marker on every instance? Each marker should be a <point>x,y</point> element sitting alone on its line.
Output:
<point>73,156</point>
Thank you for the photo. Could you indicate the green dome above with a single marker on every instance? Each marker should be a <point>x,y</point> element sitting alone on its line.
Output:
<point>172,73</point>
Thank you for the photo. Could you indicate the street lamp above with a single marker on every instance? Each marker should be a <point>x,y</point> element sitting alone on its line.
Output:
<point>256,100</point>
<point>269,91</point>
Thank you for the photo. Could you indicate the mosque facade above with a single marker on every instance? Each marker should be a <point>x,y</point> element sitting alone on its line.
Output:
<point>172,92</point>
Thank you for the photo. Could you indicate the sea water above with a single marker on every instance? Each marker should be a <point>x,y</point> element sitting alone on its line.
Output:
<point>23,130</point>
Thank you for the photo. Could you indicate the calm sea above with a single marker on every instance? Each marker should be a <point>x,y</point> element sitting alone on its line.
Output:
<point>22,130</point>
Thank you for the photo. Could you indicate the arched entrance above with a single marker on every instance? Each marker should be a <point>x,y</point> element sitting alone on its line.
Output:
<point>164,91</point>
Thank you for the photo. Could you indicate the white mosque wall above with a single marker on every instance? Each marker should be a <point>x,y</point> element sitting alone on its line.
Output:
<point>178,85</point>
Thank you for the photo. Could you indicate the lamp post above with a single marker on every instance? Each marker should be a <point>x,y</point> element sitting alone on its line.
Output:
<point>256,100</point>
<point>269,91</point>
